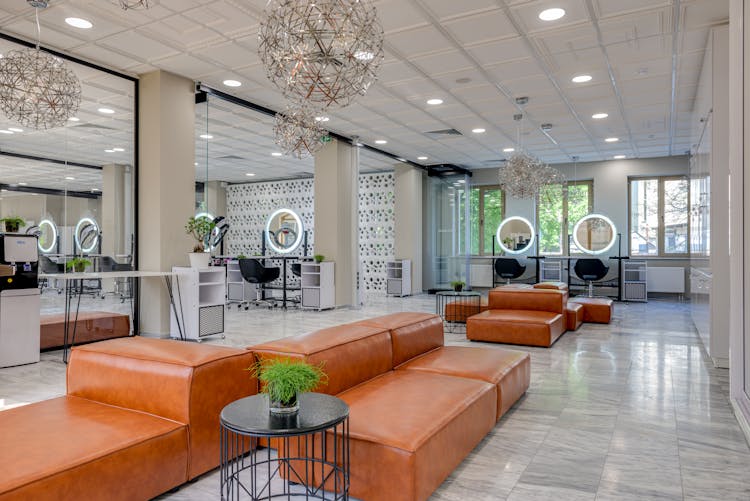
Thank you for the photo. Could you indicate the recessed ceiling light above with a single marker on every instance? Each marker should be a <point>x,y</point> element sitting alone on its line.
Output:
<point>619,157</point>
<point>581,78</point>
<point>364,55</point>
<point>196,164</point>
<point>95,189</point>
<point>232,83</point>
<point>15,129</point>
<point>434,102</point>
<point>509,150</point>
<point>70,178</point>
<point>461,181</point>
<point>77,22</point>
<point>612,139</point>
<point>478,130</point>
<point>118,149</point>
<point>109,151</point>
<point>3,131</point>
<point>421,158</point>
<point>276,154</point>
<point>106,111</point>
<point>22,183</point>
<point>599,116</point>
<point>381,141</point>
<point>552,14</point>
<point>322,119</point>
<point>206,136</point>
<point>74,119</point>
<point>250,174</point>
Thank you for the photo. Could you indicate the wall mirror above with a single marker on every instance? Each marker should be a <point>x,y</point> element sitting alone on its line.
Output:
<point>284,231</point>
<point>47,233</point>
<point>86,235</point>
<point>515,235</point>
<point>594,234</point>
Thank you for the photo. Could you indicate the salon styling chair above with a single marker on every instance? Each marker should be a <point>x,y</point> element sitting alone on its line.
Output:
<point>590,270</point>
<point>254,272</point>
<point>509,269</point>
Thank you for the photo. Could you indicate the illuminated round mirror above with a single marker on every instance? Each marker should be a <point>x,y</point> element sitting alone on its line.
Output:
<point>515,235</point>
<point>594,234</point>
<point>47,236</point>
<point>86,235</point>
<point>284,231</point>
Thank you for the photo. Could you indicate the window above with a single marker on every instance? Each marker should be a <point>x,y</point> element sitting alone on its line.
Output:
<point>486,209</point>
<point>658,223</point>
<point>558,210</point>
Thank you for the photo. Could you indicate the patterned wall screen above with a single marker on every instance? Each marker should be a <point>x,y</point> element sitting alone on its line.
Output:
<point>249,205</point>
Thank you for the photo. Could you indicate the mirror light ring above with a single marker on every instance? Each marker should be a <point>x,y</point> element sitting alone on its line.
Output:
<point>507,220</point>
<point>297,240</point>
<point>47,250</point>
<point>78,238</point>
<point>595,216</point>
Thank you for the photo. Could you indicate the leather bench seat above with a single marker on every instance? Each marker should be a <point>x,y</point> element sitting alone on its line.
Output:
<point>73,448</point>
<point>573,315</point>
<point>91,326</point>
<point>595,309</point>
<point>509,370</point>
<point>457,312</point>
<point>533,328</point>
<point>560,286</point>
<point>409,430</point>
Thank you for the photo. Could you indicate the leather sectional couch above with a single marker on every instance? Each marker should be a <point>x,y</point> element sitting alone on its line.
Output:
<point>417,408</point>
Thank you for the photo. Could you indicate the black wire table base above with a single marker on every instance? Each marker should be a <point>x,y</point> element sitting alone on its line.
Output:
<point>456,307</point>
<point>307,466</point>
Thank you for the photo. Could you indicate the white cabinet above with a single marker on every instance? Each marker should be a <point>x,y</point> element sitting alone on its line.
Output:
<point>634,280</point>
<point>238,289</point>
<point>398,277</point>
<point>199,302</point>
<point>318,285</point>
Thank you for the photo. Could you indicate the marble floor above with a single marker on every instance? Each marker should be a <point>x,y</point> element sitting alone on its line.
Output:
<point>631,410</point>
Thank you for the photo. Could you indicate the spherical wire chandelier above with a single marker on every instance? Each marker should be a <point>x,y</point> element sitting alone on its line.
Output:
<point>37,89</point>
<point>326,52</point>
<point>136,4</point>
<point>298,133</point>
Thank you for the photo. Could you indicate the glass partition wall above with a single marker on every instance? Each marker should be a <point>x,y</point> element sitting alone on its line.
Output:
<point>74,187</point>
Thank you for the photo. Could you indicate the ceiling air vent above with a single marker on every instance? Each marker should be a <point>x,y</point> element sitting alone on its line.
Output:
<point>443,132</point>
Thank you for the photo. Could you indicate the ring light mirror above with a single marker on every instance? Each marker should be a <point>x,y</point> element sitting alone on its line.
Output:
<point>86,235</point>
<point>47,236</point>
<point>221,227</point>
<point>284,231</point>
<point>594,234</point>
<point>515,235</point>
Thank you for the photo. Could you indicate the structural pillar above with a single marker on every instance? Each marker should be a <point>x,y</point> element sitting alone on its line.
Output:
<point>114,227</point>
<point>408,220</point>
<point>337,216</point>
<point>166,187</point>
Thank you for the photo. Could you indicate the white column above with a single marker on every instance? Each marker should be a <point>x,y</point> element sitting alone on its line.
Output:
<point>114,229</point>
<point>408,220</point>
<point>336,216</point>
<point>166,186</point>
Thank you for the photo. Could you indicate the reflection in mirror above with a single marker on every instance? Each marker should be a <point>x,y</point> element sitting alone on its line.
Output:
<point>87,235</point>
<point>594,234</point>
<point>515,235</point>
<point>47,233</point>
<point>284,231</point>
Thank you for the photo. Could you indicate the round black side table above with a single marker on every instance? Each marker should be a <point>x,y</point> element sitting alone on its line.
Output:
<point>311,460</point>
<point>455,307</point>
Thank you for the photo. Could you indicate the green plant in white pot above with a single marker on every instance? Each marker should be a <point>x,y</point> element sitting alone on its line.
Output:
<point>284,379</point>
<point>200,229</point>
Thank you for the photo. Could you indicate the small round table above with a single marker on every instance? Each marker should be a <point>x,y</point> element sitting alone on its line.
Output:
<point>455,307</point>
<point>312,450</point>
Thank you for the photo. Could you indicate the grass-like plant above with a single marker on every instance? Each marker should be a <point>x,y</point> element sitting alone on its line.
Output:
<point>319,258</point>
<point>77,264</point>
<point>13,223</point>
<point>458,285</point>
<point>284,378</point>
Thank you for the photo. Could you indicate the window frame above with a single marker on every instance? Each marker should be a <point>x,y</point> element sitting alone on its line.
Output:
<point>565,226</point>
<point>660,215</point>
<point>482,189</point>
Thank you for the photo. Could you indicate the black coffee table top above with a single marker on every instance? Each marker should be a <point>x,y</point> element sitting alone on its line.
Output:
<point>250,416</point>
<point>461,293</point>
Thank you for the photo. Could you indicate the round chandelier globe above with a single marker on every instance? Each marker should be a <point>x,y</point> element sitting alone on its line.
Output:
<point>326,52</point>
<point>38,90</point>
<point>523,176</point>
<point>136,4</point>
<point>297,132</point>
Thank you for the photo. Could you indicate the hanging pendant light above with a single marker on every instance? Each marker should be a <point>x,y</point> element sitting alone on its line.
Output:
<point>297,132</point>
<point>37,89</point>
<point>136,4</point>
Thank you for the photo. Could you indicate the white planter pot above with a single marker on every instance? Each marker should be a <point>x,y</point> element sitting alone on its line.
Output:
<point>199,259</point>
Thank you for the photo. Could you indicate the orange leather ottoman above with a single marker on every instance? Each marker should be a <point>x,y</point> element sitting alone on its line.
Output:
<point>185,382</point>
<point>573,316</point>
<point>560,286</point>
<point>455,312</point>
<point>409,430</point>
<point>508,370</point>
<point>73,448</point>
<point>91,326</point>
<point>532,328</point>
<point>595,309</point>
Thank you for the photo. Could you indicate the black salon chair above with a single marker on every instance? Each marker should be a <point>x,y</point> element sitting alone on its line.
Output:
<point>297,269</point>
<point>590,270</point>
<point>254,272</point>
<point>509,269</point>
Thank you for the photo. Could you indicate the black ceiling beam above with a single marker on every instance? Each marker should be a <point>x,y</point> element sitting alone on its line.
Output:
<point>51,191</point>
<point>50,160</point>
<point>447,170</point>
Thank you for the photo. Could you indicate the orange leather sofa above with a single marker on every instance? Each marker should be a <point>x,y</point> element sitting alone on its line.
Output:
<point>526,316</point>
<point>574,312</point>
<point>91,326</point>
<point>140,417</point>
<point>417,408</point>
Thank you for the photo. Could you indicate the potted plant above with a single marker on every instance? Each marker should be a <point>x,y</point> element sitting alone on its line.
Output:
<point>200,228</point>
<point>319,258</point>
<point>13,223</point>
<point>77,264</point>
<point>284,379</point>
<point>458,285</point>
